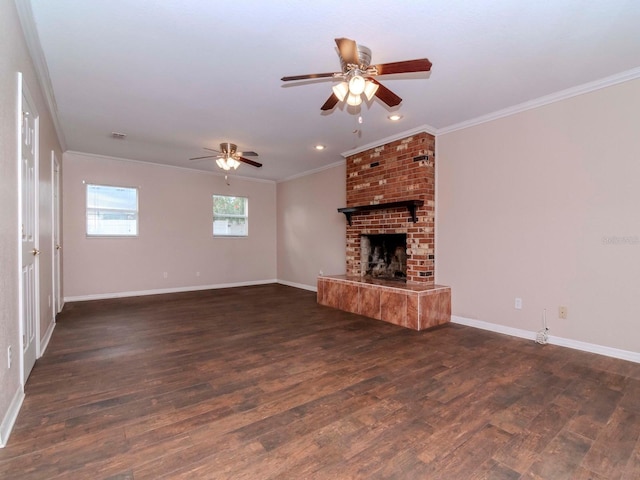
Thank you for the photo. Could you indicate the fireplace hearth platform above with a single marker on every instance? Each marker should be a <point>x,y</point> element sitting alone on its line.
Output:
<point>410,305</point>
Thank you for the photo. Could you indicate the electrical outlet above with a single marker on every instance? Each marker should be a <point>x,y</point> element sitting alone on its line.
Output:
<point>562,312</point>
<point>9,356</point>
<point>518,303</point>
<point>321,273</point>
<point>197,274</point>
<point>165,274</point>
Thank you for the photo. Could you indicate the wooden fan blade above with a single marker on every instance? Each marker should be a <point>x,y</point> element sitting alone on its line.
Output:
<point>386,95</point>
<point>408,66</point>
<point>330,103</point>
<point>200,158</point>
<point>249,162</point>
<point>307,77</point>
<point>248,154</point>
<point>348,50</point>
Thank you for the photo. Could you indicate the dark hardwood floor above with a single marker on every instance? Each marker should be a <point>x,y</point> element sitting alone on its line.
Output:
<point>262,383</point>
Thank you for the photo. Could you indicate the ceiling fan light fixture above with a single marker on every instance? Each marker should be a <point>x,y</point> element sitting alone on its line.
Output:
<point>355,61</point>
<point>340,90</point>
<point>230,157</point>
<point>354,100</point>
<point>370,89</point>
<point>357,84</point>
<point>222,164</point>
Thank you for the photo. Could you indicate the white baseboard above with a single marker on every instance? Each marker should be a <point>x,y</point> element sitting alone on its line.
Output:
<point>594,348</point>
<point>494,327</point>
<point>140,293</point>
<point>10,418</point>
<point>311,288</point>
<point>44,343</point>
<point>553,340</point>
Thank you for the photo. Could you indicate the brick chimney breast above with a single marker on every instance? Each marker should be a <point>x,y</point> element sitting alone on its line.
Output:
<point>398,171</point>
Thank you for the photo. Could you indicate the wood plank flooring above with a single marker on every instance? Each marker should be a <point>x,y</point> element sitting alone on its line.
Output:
<point>262,383</point>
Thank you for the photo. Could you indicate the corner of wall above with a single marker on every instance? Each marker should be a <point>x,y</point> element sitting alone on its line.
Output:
<point>10,417</point>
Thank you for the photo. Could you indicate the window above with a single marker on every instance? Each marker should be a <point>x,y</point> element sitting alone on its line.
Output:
<point>112,211</point>
<point>230,216</point>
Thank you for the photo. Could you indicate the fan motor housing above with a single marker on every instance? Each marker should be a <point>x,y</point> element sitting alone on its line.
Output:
<point>228,148</point>
<point>364,57</point>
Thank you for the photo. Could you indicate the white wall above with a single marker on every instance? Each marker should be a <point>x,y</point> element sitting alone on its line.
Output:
<point>14,58</point>
<point>545,205</point>
<point>175,231</point>
<point>311,232</point>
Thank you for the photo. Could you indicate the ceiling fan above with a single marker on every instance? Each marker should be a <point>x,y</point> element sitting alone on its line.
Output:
<point>229,157</point>
<point>357,75</point>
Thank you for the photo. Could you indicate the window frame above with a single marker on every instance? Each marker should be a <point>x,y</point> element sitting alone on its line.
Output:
<point>88,185</point>
<point>224,215</point>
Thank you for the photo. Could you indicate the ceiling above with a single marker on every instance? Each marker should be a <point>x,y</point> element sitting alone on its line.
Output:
<point>179,75</point>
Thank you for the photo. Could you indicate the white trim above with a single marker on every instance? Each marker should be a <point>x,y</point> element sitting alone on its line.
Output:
<point>25,14</point>
<point>594,348</point>
<point>47,336</point>
<point>56,210</point>
<point>546,100</point>
<point>10,417</point>
<point>399,136</point>
<point>493,327</point>
<point>302,286</point>
<point>159,291</point>
<point>18,160</point>
<point>311,172</point>
<point>553,340</point>
<point>23,92</point>
<point>130,160</point>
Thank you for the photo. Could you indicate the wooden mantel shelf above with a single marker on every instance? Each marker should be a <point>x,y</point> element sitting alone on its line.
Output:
<point>410,204</point>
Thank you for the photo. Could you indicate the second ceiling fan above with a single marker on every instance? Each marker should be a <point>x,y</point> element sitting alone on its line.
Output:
<point>229,157</point>
<point>357,75</point>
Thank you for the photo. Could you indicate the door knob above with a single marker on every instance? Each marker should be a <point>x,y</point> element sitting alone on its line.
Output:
<point>58,247</point>
<point>35,252</point>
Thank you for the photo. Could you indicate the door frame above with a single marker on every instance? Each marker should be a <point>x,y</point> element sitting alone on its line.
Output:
<point>24,91</point>
<point>56,261</point>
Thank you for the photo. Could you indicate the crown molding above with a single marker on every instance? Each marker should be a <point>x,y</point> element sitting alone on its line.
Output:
<point>546,100</point>
<point>383,141</point>
<point>152,164</point>
<point>25,14</point>
<point>311,172</point>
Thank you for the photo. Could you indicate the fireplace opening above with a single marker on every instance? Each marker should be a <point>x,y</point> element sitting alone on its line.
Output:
<point>384,256</point>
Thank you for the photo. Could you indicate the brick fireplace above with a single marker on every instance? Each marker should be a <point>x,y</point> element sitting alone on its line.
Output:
<point>391,190</point>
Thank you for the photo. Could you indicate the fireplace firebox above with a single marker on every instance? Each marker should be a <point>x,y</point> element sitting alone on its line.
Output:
<point>384,256</point>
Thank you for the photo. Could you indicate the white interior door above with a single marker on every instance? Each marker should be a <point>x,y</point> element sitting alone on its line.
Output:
<point>57,245</point>
<point>29,235</point>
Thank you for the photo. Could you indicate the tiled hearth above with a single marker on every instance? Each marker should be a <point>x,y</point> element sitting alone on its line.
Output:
<point>382,183</point>
<point>416,306</point>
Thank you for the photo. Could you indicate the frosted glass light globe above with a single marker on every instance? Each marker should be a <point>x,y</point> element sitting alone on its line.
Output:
<point>356,85</point>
